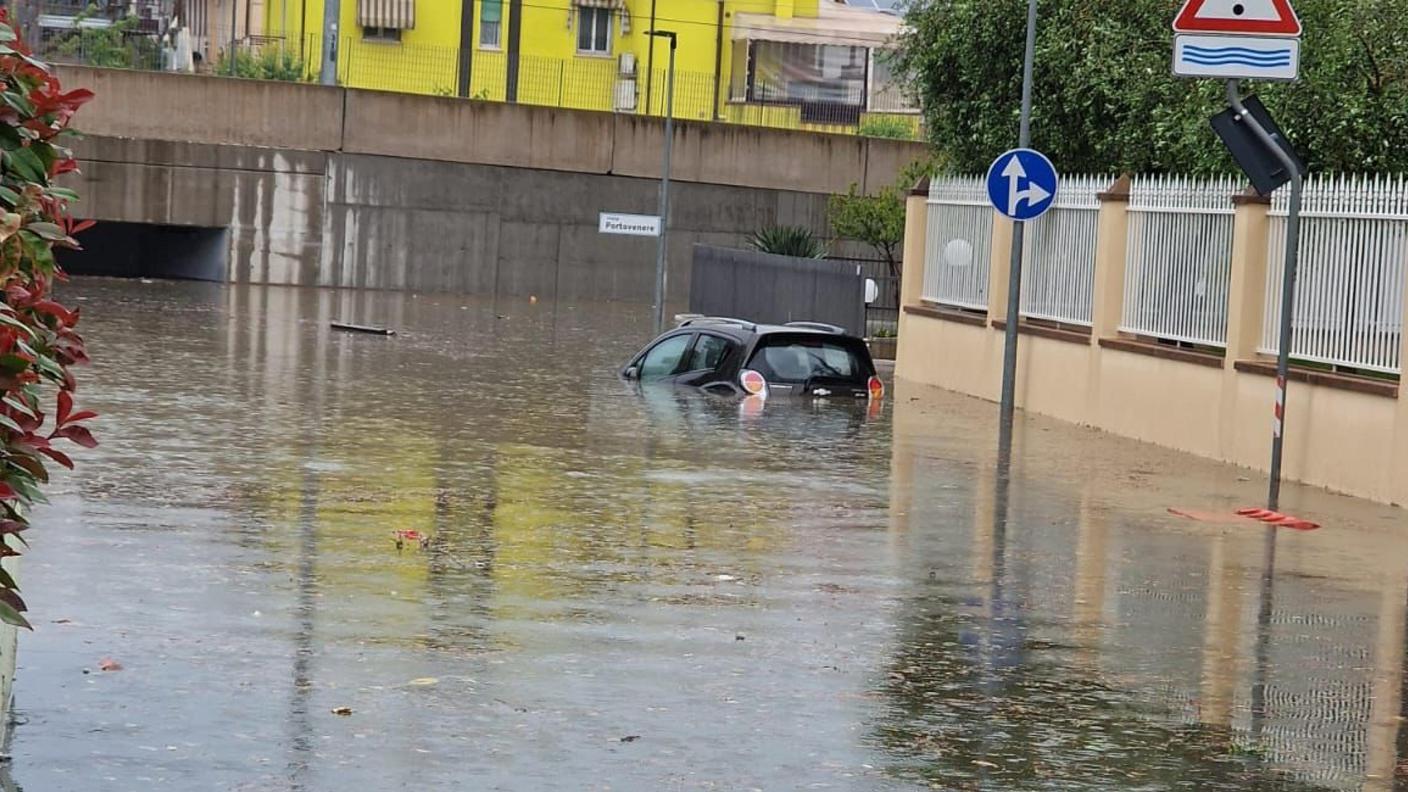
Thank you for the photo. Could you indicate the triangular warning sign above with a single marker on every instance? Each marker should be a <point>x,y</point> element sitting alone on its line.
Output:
<point>1238,17</point>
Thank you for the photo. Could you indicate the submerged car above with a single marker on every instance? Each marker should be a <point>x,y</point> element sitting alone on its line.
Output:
<point>733,357</point>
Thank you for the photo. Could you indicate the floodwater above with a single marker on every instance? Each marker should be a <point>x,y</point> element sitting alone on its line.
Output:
<point>652,591</point>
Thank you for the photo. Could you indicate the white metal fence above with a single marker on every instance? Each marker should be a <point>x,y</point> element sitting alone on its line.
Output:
<point>959,248</point>
<point>1349,282</point>
<point>1058,270</point>
<point>1178,258</point>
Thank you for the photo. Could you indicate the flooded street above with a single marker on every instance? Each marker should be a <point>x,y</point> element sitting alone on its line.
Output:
<point>650,591</point>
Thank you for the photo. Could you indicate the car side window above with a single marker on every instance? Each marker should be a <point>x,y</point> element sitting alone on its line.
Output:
<point>663,359</point>
<point>708,353</point>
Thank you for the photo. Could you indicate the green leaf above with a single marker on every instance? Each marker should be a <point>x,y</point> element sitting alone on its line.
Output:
<point>9,196</point>
<point>10,137</point>
<point>62,192</point>
<point>7,34</point>
<point>49,231</point>
<point>17,405</point>
<point>7,581</point>
<point>21,105</point>
<point>9,423</point>
<point>46,153</point>
<point>12,321</point>
<point>30,466</point>
<point>47,366</point>
<point>11,616</point>
<point>26,164</point>
<point>28,490</point>
<point>39,250</point>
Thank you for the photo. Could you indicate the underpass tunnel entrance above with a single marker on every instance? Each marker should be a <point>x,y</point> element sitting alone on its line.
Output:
<point>146,250</point>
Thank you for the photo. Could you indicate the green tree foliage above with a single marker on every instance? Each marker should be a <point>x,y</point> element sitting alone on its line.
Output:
<point>269,63</point>
<point>787,241</point>
<point>116,46</point>
<point>38,342</point>
<point>1105,100</point>
<point>892,127</point>
<point>877,219</point>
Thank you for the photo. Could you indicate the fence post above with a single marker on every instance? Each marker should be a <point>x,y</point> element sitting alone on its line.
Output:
<point>1246,292</point>
<point>916,239</point>
<point>999,267</point>
<point>1111,233</point>
<point>1399,484</point>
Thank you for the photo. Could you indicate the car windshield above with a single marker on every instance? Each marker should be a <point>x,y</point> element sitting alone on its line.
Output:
<point>804,358</point>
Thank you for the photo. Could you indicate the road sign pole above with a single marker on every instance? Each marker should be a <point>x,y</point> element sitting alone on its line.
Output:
<point>1014,280</point>
<point>1288,287</point>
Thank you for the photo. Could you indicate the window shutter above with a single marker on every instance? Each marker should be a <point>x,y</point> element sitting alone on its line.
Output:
<point>395,14</point>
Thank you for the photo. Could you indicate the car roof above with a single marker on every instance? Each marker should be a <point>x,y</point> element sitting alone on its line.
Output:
<point>742,329</point>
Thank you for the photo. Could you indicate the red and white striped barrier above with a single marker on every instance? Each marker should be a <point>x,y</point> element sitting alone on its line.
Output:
<point>1276,518</point>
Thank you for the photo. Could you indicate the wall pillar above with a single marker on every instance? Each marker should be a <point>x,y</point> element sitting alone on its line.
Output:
<point>1398,485</point>
<point>916,240</point>
<point>1246,294</point>
<point>1107,293</point>
<point>1112,230</point>
<point>999,267</point>
<point>1246,309</point>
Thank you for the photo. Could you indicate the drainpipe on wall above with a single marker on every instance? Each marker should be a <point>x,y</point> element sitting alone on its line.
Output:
<point>515,35</point>
<point>466,46</point>
<point>718,62</point>
<point>331,11</point>
<point>650,62</point>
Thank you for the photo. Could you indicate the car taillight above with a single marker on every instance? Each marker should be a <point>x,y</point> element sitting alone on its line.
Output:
<point>876,388</point>
<point>753,383</point>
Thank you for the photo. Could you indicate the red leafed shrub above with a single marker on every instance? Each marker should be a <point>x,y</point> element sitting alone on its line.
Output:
<point>38,343</point>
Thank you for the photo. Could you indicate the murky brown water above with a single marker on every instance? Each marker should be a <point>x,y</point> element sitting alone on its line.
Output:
<point>650,591</point>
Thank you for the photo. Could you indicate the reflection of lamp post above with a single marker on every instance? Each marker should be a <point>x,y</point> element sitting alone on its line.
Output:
<point>665,182</point>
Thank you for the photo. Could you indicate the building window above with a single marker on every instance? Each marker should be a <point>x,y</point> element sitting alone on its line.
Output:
<point>491,15</point>
<point>381,34</point>
<point>827,81</point>
<point>594,30</point>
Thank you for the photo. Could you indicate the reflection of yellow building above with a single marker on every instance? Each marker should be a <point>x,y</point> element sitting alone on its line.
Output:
<point>549,514</point>
<point>788,63</point>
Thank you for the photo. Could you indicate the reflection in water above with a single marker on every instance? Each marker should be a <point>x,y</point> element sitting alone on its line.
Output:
<point>802,595</point>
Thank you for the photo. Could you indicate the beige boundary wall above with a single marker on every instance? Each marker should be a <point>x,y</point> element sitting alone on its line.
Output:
<point>1348,434</point>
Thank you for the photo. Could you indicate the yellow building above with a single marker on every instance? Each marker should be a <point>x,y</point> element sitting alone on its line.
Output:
<point>787,63</point>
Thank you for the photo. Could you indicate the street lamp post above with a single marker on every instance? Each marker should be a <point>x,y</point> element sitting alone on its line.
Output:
<point>660,269</point>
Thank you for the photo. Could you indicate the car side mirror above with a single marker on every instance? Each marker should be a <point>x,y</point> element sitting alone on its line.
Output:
<point>632,373</point>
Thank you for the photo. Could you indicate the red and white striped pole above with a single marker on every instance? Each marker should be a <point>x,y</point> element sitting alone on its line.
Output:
<point>1288,282</point>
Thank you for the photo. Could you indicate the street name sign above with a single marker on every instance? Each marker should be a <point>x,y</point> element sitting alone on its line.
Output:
<point>1022,184</point>
<point>1237,39</point>
<point>628,224</point>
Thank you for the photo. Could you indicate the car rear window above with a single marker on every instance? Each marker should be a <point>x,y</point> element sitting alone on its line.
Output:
<point>811,357</point>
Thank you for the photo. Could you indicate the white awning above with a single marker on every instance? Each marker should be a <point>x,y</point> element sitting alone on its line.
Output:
<point>836,24</point>
<point>619,5</point>
<point>397,14</point>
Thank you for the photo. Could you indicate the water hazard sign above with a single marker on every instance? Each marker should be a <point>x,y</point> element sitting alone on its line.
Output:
<point>1238,18</point>
<point>1237,39</point>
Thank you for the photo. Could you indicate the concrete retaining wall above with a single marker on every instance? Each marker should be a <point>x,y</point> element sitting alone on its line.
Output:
<point>297,116</point>
<point>363,221</point>
<point>336,187</point>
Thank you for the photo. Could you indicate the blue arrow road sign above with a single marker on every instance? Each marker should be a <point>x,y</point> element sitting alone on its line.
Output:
<point>1022,184</point>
